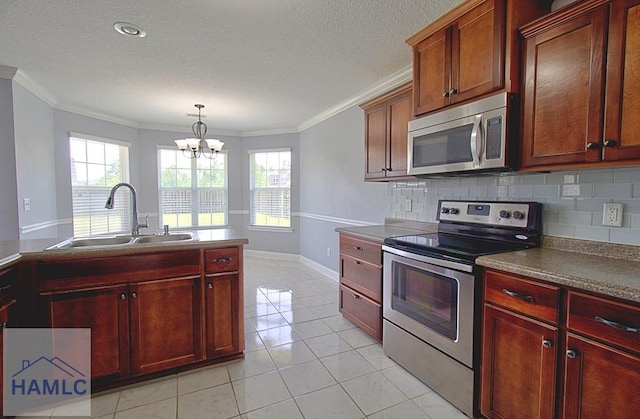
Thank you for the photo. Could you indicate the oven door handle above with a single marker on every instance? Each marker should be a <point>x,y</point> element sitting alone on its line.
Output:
<point>445,263</point>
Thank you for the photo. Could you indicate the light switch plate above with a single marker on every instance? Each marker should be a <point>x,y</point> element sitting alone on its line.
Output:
<point>612,214</point>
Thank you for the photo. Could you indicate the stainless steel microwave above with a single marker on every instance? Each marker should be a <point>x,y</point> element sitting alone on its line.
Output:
<point>465,139</point>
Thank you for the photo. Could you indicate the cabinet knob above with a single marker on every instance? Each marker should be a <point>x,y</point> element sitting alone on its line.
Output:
<point>571,353</point>
<point>222,260</point>
<point>384,169</point>
<point>356,296</point>
<point>123,296</point>
<point>3,325</point>
<point>547,343</point>
<point>610,143</point>
<point>453,92</point>
<point>134,295</point>
<point>357,262</point>
<point>593,146</point>
<point>445,94</point>
<point>358,248</point>
<point>209,285</point>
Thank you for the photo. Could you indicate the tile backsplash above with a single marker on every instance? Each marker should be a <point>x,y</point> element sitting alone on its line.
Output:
<point>572,200</point>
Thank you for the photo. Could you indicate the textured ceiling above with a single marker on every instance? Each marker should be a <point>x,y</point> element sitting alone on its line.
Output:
<point>257,65</point>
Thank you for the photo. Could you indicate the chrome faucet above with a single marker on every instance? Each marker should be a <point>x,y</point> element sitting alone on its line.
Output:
<point>135,225</point>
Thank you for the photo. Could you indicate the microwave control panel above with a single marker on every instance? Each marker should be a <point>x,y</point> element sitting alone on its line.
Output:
<point>494,138</point>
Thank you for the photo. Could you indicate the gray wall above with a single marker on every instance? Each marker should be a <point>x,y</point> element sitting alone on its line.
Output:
<point>9,225</point>
<point>36,169</point>
<point>332,188</point>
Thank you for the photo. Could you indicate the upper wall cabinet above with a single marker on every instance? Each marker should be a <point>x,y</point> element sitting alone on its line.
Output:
<point>386,123</point>
<point>581,78</point>
<point>471,51</point>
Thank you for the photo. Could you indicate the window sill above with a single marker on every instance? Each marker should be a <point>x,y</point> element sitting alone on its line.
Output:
<point>271,229</point>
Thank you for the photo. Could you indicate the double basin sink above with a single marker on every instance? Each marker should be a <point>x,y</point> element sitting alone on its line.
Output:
<point>110,241</point>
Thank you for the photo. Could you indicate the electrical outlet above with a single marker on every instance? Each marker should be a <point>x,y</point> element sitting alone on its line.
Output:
<point>612,215</point>
<point>407,205</point>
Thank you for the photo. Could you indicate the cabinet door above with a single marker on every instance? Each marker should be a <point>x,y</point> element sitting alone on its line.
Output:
<point>518,366</point>
<point>398,116</point>
<point>600,382</point>
<point>432,72</point>
<point>222,315</point>
<point>622,111</point>
<point>375,141</point>
<point>105,311</point>
<point>563,91</point>
<point>165,324</point>
<point>477,51</point>
<point>7,315</point>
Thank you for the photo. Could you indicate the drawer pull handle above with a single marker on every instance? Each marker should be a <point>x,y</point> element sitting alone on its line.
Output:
<point>357,262</point>
<point>356,296</point>
<point>571,353</point>
<point>547,343</point>
<point>123,296</point>
<point>134,295</point>
<point>617,325</point>
<point>222,260</point>
<point>358,248</point>
<point>527,298</point>
<point>209,285</point>
<point>6,287</point>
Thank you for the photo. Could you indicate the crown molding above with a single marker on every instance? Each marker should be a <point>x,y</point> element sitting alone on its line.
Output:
<point>98,115</point>
<point>7,72</point>
<point>395,80</point>
<point>35,88</point>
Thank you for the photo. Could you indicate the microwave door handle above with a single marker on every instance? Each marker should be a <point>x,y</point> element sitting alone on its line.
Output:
<point>476,141</point>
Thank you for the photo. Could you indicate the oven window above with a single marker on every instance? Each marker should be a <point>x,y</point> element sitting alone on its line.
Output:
<point>427,298</point>
<point>442,147</point>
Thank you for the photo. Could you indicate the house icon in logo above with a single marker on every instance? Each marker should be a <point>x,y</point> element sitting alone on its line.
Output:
<point>48,377</point>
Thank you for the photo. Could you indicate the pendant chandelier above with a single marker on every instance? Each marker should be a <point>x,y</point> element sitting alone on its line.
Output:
<point>199,146</point>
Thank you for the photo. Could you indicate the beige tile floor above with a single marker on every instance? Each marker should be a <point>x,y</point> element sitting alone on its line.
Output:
<point>302,360</point>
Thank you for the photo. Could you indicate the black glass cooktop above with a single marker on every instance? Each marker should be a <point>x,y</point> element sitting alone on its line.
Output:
<point>452,246</point>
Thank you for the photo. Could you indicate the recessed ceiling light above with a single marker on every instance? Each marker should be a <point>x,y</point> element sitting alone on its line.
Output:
<point>129,29</point>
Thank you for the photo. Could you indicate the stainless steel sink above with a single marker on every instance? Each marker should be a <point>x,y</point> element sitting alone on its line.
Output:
<point>162,238</point>
<point>76,243</point>
<point>111,241</point>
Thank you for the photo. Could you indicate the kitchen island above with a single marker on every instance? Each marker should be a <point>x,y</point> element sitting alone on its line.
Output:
<point>153,307</point>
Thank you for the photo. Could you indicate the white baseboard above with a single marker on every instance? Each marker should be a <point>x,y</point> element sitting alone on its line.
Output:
<point>290,256</point>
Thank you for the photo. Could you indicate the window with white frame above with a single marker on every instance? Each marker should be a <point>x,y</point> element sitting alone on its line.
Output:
<point>270,188</point>
<point>98,164</point>
<point>192,192</point>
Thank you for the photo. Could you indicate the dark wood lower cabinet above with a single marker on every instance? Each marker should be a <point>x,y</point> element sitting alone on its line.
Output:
<point>105,310</point>
<point>518,366</point>
<point>165,324</point>
<point>600,381</point>
<point>221,314</point>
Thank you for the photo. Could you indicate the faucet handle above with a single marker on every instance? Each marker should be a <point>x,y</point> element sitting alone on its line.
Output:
<point>166,229</point>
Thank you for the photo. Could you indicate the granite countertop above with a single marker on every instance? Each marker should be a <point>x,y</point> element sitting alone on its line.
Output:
<point>605,268</point>
<point>598,272</point>
<point>12,251</point>
<point>391,228</point>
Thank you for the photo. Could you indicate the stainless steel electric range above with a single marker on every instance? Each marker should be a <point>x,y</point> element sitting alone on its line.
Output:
<point>432,292</point>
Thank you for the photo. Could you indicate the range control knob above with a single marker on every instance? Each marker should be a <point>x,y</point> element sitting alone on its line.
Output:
<point>518,215</point>
<point>444,210</point>
<point>454,210</point>
<point>504,214</point>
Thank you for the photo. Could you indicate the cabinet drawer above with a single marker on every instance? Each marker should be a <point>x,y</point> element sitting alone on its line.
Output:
<point>362,276</point>
<point>221,260</point>
<point>527,297</point>
<point>361,249</point>
<point>360,310</point>
<point>588,315</point>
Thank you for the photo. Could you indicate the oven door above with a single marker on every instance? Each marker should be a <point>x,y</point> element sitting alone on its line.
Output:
<point>433,303</point>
